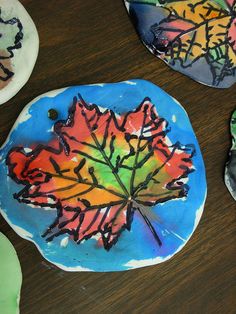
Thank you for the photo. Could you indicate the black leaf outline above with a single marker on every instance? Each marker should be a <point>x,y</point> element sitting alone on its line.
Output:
<point>130,201</point>
<point>17,45</point>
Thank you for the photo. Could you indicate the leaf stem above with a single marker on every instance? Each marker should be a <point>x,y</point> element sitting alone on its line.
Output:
<point>150,226</point>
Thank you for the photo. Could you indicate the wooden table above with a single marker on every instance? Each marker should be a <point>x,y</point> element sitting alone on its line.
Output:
<point>93,41</point>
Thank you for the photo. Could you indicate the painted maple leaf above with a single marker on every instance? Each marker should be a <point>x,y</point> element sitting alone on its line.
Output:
<point>11,36</point>
<point>100,169</point>
<point>194,30</point>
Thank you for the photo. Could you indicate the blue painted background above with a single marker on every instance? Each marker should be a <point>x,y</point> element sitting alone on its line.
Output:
<point>138,244</point>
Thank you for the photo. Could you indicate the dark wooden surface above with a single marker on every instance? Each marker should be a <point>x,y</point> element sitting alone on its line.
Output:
<point>93,41</point>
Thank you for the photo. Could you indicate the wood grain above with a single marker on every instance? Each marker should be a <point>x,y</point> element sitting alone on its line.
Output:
<point>93,41</point>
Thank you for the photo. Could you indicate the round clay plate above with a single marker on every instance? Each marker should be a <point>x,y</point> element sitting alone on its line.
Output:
<point>196,38</point>
<point>19,44</point>
<point>104,177</point>
<point>11,277</point>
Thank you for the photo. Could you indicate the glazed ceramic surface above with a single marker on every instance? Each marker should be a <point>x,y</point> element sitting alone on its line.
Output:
<point>230,170</point>
<point>104,177</point>
<point>197,38</point>
<point>19,44</point>
<point>10,277</point>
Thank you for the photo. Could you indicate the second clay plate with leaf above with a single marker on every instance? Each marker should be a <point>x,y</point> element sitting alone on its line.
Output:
<point>197,38</point>
<point>19,44</point>
<point>112,179</point>
<point>230,169</point>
